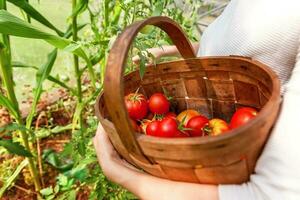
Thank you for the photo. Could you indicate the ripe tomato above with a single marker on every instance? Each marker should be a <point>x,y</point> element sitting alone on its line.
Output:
<point>168,127</point>
<point>136,105</point>
<point>196,125</point>
<point>186,115</point>
<point>216,127</point>
<point>159,104</point>
<point>171,114</point>
<point>153,128</point>
<point>181,134</point>
<point>242,116</point>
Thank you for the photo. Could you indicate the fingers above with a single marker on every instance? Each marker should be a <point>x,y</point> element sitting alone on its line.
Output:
<point>102,143</point>
<point>136,60</point>
<point>151,59</point>
<point>108,158</point>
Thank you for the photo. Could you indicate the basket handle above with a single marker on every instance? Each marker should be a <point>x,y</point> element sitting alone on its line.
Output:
<point>113,82</point>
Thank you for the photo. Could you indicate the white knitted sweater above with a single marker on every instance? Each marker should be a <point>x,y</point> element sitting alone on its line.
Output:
<point>268,31</point>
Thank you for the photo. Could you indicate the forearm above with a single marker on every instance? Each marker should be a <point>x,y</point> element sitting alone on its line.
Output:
<point>149,187</point>
<point>166,51</point>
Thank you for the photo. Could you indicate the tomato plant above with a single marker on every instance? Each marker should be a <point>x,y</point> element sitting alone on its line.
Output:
<point>159,104</point>
<point>242,116</point>
<point>196,124</point>
<point>136,105</point>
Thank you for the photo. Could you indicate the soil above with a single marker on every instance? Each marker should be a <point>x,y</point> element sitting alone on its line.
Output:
<point>23,188</point>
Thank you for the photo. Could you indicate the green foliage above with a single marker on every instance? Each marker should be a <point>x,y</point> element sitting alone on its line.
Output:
<point>15,148</point>
<point>4,101</point>
<point>24,5</point>
<point>56,160</point>
<point>12,178</point>
<point>77,164</point>
<point>41,75</point>
<point>12,25</point>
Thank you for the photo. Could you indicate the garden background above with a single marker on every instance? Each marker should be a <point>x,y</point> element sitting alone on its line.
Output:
<point>52,61</point>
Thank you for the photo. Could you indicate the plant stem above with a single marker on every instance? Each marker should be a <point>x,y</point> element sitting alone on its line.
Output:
<point>7,79</point>
<point>76,64</point>
<point>6,75</point>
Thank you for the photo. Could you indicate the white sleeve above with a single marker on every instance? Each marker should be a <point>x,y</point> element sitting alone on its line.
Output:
<point>277,173</point>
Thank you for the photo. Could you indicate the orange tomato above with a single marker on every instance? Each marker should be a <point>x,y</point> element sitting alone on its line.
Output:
<point>186,115</point>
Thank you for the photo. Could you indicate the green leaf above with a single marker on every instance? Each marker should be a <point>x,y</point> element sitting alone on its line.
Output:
<point>41,75</point>
<point>56,189</point>
<point>12,178</point>
<point>117,13</point>
<point>72,47</point>
<point>78,173</point>
<point>58,129</point>
<point>81,6</point>
<point>12,25</point>
<point>69,30</point>
<point>42,133</point>
<point>62,180</point>
<point>54,159</point>
<point>106,12</point>
<point>47,191</point>
<point>50,197</point>
<point>72,195</point>
<point>50,78</point>
<point>14,127</point>
<point>15,148</point>
<point>22,65</point>
<point>4,101</point>
<point>33,13</point>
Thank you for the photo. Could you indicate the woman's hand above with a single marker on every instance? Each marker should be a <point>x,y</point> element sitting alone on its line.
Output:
<point>108,158</point>
<point>163,51</point>
<point>157,53</point>
<point>143,185</point>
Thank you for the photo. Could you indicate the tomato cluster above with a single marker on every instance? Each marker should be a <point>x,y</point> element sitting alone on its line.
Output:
<point>153,117</point>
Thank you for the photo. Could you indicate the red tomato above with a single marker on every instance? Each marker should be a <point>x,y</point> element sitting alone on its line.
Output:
<point>186,115</point>
<point>216,127</point>
<point>171,115</point>
<point>168,127</point>
<point>182,134</point>
<point>136,105</point>
<point>153,128</point>
<point>196,124</point>
<point>242,116</point>
<point>159,104</point>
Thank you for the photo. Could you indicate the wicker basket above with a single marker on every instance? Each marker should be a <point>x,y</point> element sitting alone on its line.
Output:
<point>215,86</point>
